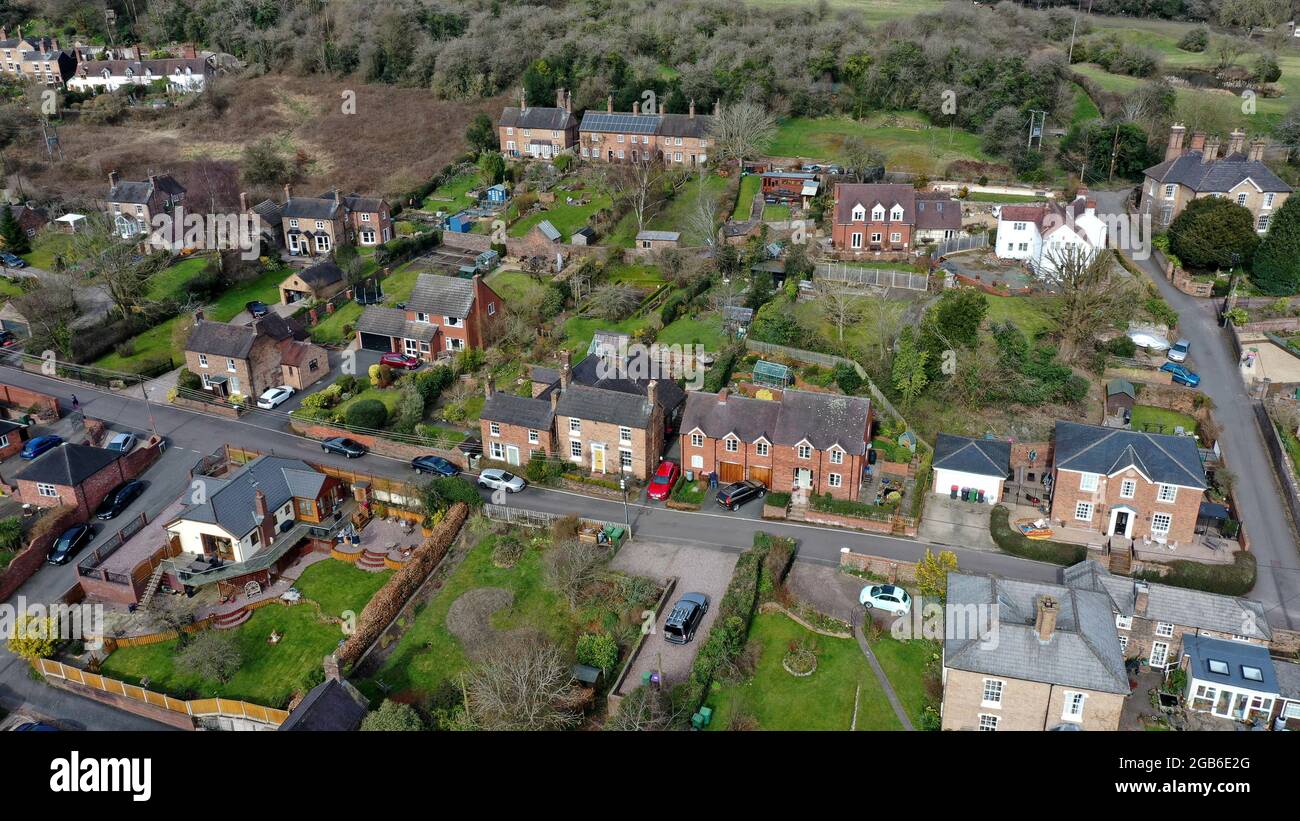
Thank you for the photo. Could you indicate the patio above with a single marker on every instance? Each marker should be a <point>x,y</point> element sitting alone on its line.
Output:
<point>1207,548</point>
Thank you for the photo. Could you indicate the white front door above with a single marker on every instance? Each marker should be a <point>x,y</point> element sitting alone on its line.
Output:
<point>512,455</point>
<point>1121,521</point>
<point>1159,654</point>
<point>803,478</point>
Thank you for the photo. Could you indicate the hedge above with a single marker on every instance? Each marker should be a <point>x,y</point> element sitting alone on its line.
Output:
<point>1236,579</point>
<point>849,507</point>
<point>777,499</point>
<point>1014,542</point>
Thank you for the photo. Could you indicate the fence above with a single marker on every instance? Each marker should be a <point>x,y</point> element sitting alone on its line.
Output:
<point>956,244</point>
<point>1281,460</point>
<point>197,708</point>
<point>539,518</point>
<point>857,276</point>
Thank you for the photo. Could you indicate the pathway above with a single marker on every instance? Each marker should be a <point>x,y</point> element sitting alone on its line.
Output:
<point>882,678</point>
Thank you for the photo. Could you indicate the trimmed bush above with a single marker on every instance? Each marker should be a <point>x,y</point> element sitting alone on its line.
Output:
<point>1236,579</point>
<point>367,413</point>
<point>1014,542</point>
<point>598,650</point>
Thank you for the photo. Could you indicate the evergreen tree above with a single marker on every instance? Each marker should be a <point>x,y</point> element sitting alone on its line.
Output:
<point>1276,269</point>
<point>1213,232</point>
<point>11,232</point>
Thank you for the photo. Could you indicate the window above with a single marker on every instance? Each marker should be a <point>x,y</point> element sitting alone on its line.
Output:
<point>1241,200</point>
<point>1167,493</point>
<point>420,316</point>
<point>494,428</point>
<point>895,237</point>
<point>992,693</point>
<point>805,451</point>
<point>877,214</point>
<point>731,444</point>
<point>896,214</point>
<point>1073,707</point>
<point>624,459</point>
<point>532,437</point>
<point>4,440</point>
<point>1169,192</point>
<point>677,156</point>
<point>1123,622</point>
<point>1127,488</point>
<point>1268,200</point>
<point>365,218</point>
<point>1160,523</point>
<point>988,724</point>
<point>1017,226</point>
<point>203,360</point>
<point>575,449</point>
<point>697,440</point>
<point>855,241</point>
<point>575,426</point>
<point>1088,481</point>
<point>1217,666</point>
<point>625,435</point>
<point>47,490</point>
<point>368,237</point>
<point>761,448</point>
<point>1164,629</point>
<point>859,214</point>
<point>498,451</point>
<point>834,480</point>
<point>1159,654</point>
<point>322,243</point>
<point>1123,644</point>
<point>875,237</point>
<point>230,364</point>
<point>1083,511</point>
<point>1262,223</point>
<point>1252,673</point>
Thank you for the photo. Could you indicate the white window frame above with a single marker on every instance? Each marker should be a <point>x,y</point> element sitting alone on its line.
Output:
<point>203,360</point>
<point>1123,622</point>
<point>47,490</point>
<point>761,449</point>
<point>837,456</point>
<point>575,450</point>
<point>992,695</point>
<point>625,435</point>
<point>575,426</point>
<point>533,437</point>
<point>1167,493</point>
<point>1166,518</point>
<point>1089,482</point>
<point>1074,704</point>
<point>1127,489</point>
<point>834,480</point>
<point>988,723</point>
<point>731,444</point>
<point>498,451</point>
<point>1169,191</point>
<point>1081,508</point>
<point>804,451</point>
<point>494,429</point>
<point>697,440</point>
<point>1164,630</point>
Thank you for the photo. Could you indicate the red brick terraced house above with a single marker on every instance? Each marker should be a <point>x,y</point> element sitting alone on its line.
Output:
<point>811,440</point>
<point>887,217</point>
<point>538,131</point>
<point>513,428</point>
<point>79,476</point>
<point>12,437</point>
<point>443,315</point>
<point>672,139</point>
<point>1125,483</point>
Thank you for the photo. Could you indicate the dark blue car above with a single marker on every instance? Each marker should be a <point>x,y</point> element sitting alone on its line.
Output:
<point>1181,374</point>
<point>38,445</point>
<point>436,465</point>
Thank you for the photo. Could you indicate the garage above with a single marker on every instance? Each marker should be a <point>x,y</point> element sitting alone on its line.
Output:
<point>376,342</point>
<point>961,462</point>
<point>730,472</point>
<point>761,474</point>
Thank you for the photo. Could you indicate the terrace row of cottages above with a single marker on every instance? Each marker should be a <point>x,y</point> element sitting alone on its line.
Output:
<point>889,217</point>
<point>611,136</point>
<point>42,60</point>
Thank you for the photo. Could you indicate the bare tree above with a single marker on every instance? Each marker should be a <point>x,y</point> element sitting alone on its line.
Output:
<point>213,654</point>
<point>862,162</point>
<point>112,262</point>
<point>742,130</point>
<point>524,684</point>
<point>1092,297</point>
<point>645,709</point>
<point>640,185</point>
<point>572,567</point>
<point>887,317</point>
<point>703,220</point>
<point>839,305</point>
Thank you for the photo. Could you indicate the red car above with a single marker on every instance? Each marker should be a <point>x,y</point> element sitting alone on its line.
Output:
<point>661,484</point>
<point>401,360</point>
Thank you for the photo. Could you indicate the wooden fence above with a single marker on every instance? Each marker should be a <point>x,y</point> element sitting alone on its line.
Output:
<point>863,277</point>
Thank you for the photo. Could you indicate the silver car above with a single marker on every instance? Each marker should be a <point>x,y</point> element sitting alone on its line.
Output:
<point>496,479</point>
<point>1178,353</point>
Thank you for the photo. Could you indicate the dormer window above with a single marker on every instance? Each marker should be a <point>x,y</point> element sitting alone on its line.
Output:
<point>859,213</point>
<point>877,213</point>
<point>896,214</point>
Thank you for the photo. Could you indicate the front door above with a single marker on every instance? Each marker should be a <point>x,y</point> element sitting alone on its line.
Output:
<point>1121,523</point>
<point>803,478</point>
<point>597,458</point>
<point>512,455</point>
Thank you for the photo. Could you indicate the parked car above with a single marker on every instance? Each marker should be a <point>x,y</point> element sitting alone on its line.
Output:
<point>494,478</point>
<point>887,597</point>
<point>272,398</point>
<point>12,260</point>
<point>1178,353</point>
<point>344,447</point>
<point>257,308</point>
<point>435,465</point>
<point>1181,374</point>
<point>661,484</point>
<point>685,617</point>
<point>1149,340</point>
<point>39,444</point>
<point>119,499</point>
<point>401,360</point>
<point>36,727</point>
<point>738,493</point>
<point>8,339</point>
<point>70,543</point>
<point>122,442</point>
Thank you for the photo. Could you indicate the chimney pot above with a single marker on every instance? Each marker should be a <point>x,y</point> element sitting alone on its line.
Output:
<point>1236,141</point>
<point>1045,623</point>
<point>243,201</point>
<point>1175,148</point>
<point>722,396</point>
<point>1198,141</point>
<point>1211,152</point>
<point>1256,151</point>
<point>636,108</point>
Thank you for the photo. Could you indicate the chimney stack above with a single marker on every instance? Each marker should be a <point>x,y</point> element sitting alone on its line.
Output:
<point>338,196</point>
<point>717,107</point>
<point>1237,141</point>
<point>652,393</point>
<point>288,192</point>
<point>555,401</point>
<point>1045,622</point>
<point>243,201</point>
<point>1256,151</point>
<point>112,179</point>
<point>722,396</point>
<point>1141,593</point>
<point>489,386</point>
<point>259,504</point>
<point>4,34</point>
<point>332,668</point>
<point>566,372</point>
<point>559,98</point>
<point>1211,152</point>
<point>1198,141</point>
<point>663,102</point>
<point>609,104</point>
<point>636,108</point>
<point>523,99</point>
<point>568,101</point>
<point>1175,148</point>
<point>692,109</point>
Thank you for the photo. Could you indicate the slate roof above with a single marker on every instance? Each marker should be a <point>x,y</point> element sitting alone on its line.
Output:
<point>1288,679</point>
<point>360,204</point>
<point>937,211</point>
<point>1121,386</point>
<point>1237,655</point>
<point>138,193</point>
<point>230,501</point>
<point>523,411</point>
<point>333,705</point>
<point>1174,605</point>
<point>1171,460</point>
<point>269,210</point>
<point>1219,176</point>
<point>69,464</point>
<point>541,373</point>
<point>227,339</point>
<point>442,295</point>
<point>1082,652</point>
<point>599,405</point>
<point>318,208</point>
<point>981,457</point>
<point>669,236</point>
<point>823,419</point>
<point>684,125</point>
<point>321,274</point>
<point>662,125</point>
<point>392,322</point>
<point>871,194</point>
<point>158,68</point>
<point>9,426</point>
<point>548,119</point>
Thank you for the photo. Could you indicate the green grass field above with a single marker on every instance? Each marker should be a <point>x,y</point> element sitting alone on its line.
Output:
<point>453,196</point>
<point>1160,420</point>
<point>904,663</point>
<point>170,282</point>
<point>706,331</point>
<point>340,586</point>
<point>45,247</point>
<point>749,186</point>
<point>515,287</point>
<point>906,139</point>
<point>1032,313</point>
<point>676,215</point>
<point>566,217</point>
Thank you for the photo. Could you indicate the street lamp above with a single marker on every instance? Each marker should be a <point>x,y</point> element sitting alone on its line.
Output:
<point>627,526</point>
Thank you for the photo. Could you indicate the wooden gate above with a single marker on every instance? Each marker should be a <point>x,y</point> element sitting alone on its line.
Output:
<point>761,474</point>
<point>730,472</point>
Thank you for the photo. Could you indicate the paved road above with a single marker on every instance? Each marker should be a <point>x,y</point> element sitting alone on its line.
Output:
<point>1259,494</point>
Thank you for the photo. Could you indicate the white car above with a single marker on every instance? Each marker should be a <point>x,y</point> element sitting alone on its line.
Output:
<point>1149,340</point>
<point>888,597</point>
<point>495,478</point>
<point>274,397</point>
<point>1178,353</point>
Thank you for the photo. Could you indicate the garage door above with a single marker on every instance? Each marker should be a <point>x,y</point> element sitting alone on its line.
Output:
<point>763,475</point>
<point>376,342</point>
<point>730,471</point>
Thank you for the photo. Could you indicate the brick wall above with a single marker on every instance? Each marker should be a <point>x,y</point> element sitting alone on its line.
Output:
<point>515,435</point>
<point>32,558</point>
<point>375,444</point>
<point>1066,494</point>
<point>22,398</point>
<point>894,570</point>
<point>646,444</point>
<point>780,462</point>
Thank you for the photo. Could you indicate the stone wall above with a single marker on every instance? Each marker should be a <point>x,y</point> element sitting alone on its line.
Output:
<point>893,569</point>
<point>375,444</point>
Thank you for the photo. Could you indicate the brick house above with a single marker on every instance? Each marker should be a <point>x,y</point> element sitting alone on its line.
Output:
<point>12,437</point>
<point>1152,618</point>
<point>872,217</point>
<point>247,359</point>
<point>513,428</point>
<point>38,59</point>
<point>133,205</point>
<point>672,139</point>
<point>30,219</point>
<point>1125,483</point>
<point>538,131</point>
<point>318,282</point>
<point>315,226</point>
<point>811,440</point>
<point>79,476</point>
<point>180,75</point>
<point>443,315</point>
<point>1196,170</point>
<point>1056,661</point>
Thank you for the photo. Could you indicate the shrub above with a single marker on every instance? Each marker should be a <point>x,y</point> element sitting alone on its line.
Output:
<point>777,499</point>
<point>367,413</point>
<point>598,650</point>
<point>188,380</point>
<point>393,716</point>
<point>846,377</point>
<point>565,529</point>
<point>507,551</point>
<point>11,533</point>
<point>1195,40</point>
<point>1236,579</point>
<point>543,471</point>
<point>1014,542</point>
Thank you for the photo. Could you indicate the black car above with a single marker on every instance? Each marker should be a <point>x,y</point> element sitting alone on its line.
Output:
<point>257,308</point>
<point>119,499</point>
<point>435,465</point>
<point>738,493</point>
<point>344,447</point>
<point>685,617</point>
<point>70,543</point>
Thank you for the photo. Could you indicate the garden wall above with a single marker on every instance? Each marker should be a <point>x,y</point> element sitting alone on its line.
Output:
<point>32,558</point>
<point>894,524</point>
<point>214,408</point>
<point>376,444</point>
<point>22,398</point>
<point>893,569</point>
<point>1281,461</point>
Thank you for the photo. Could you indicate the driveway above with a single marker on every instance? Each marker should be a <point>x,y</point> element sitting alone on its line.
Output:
<point>825,589</point>
<point>698,569</point>
<point>362,360</point>
<point>955,523</point>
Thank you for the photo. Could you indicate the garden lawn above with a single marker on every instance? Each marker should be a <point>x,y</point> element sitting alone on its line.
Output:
<point>151,348</point>
<point>907,140</point>
<point>706,331</point>
<point>9,289</point>
<point>329,331</point>
<point>565,217</point>
<point>579,330</point>
<point>171,282</point>
<point>45,247</point>
<point>453,195</point>
<point>399,284</point>
<point>749,186</point>
<point>904,663</point>
<point>1160,420</point>
<point>338,586</point>
<point>1033,314</point>
<point>269,673</point>
<point>822,701</point>
<point>1085,110</point>
<point>263,288</point>
<point>515,287</point>
<point>776,213</point>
